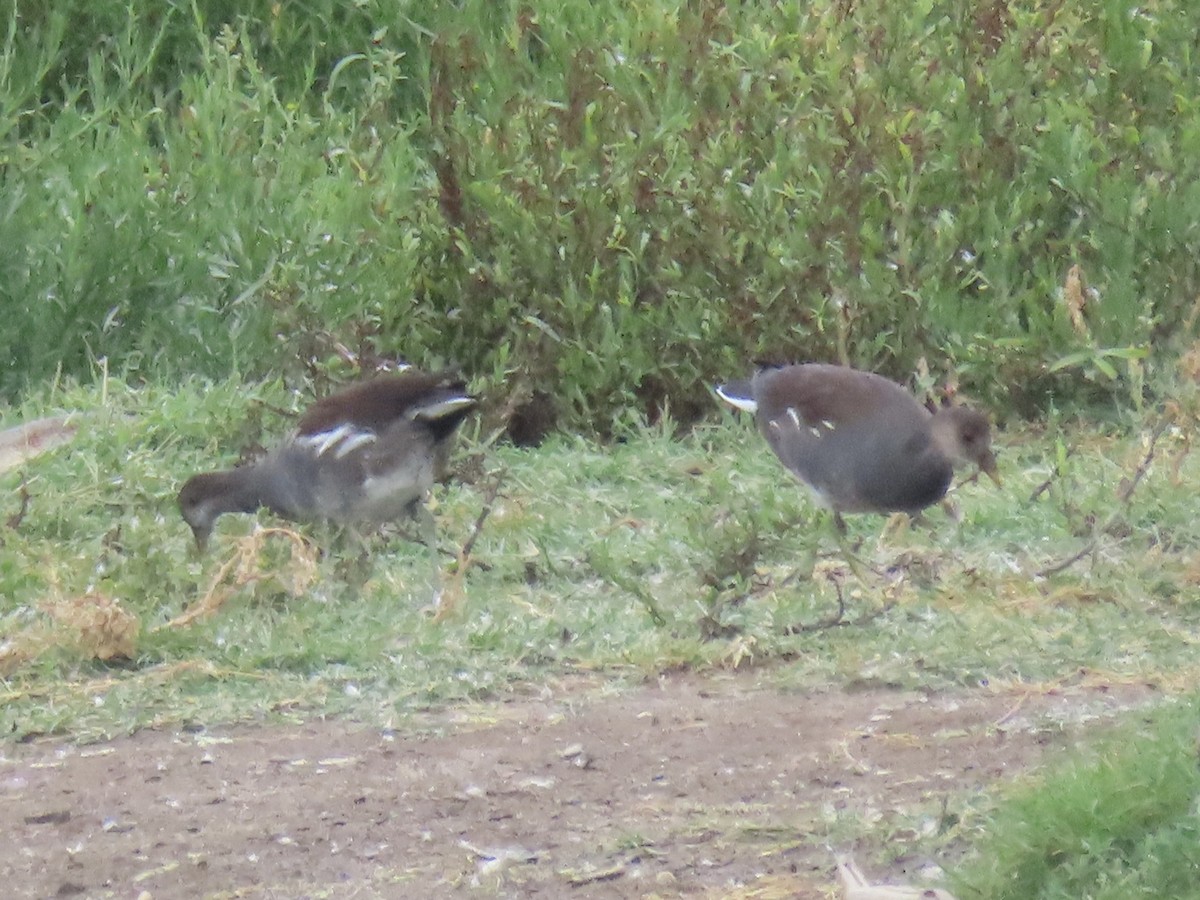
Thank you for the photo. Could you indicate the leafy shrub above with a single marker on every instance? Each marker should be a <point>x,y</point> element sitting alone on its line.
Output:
<point>612,203</point>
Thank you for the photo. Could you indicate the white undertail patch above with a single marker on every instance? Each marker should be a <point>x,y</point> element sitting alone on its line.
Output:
<point>444,408</point>
<point>746,404</point>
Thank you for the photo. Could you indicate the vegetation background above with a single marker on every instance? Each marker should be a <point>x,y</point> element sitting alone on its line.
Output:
<point>597,209</point>
<point>600,207</point>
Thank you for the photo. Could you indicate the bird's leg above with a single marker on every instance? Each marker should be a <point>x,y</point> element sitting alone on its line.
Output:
<point>897,524</point>
<point>950,507</point>
<point>344,540</point>
<point>427,528</point>
<point>846,549</point>
<point>841,532</point>
<point>839,524</point>
<point>848,552</point>
<point>808,563</point>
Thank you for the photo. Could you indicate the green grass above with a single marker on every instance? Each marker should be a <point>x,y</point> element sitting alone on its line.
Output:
<point>630,558</point>
<point>614,562</point>
<point>1116,823</point>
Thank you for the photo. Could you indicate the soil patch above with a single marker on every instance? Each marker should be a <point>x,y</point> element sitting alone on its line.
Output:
<point>689,787</point>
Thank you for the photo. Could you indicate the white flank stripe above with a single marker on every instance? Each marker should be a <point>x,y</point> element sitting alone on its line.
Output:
<point>353,442</point>
<point>342,440</point>
<point>323,440</point>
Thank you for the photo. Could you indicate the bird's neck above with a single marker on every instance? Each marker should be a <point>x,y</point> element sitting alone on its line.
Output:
<point>943,432</point>
<point>237,490</point>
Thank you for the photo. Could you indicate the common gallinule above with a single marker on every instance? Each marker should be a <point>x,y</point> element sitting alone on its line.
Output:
<point>862,443</point>
<point>365,455</point>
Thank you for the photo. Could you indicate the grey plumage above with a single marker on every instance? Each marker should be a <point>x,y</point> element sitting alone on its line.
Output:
<point>862,443</point>
<point>367,455</point>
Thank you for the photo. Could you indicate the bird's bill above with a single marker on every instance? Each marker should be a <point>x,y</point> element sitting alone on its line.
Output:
<point>201,535</point>
<point>989,468</point>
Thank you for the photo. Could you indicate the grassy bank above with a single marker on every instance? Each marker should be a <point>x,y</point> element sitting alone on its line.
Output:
<point>648,554</point>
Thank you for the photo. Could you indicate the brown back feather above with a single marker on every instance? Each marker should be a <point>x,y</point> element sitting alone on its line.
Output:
<point>377,403</point>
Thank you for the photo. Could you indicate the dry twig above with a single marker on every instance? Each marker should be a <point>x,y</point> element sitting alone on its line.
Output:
<point>14,521</point>
<point>1124,497</point>
<point>454,590</point>
<point>838,618</point>
<point>1054,475</point>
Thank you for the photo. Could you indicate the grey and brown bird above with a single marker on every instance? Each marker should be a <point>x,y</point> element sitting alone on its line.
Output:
<point>862,443</point>
<point>366,455</point>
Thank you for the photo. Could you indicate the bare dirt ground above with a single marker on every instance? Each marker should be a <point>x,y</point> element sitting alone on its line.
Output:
<point>687,787</point>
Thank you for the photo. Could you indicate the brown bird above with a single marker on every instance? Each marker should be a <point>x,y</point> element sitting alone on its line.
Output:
<point>862,443</point>
<point>366,455</point>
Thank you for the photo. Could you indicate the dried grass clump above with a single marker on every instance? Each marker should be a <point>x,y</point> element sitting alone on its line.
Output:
<point>15,653</point>
<point>245,567</point>
<point>92,625</point>
<point>98,626</point>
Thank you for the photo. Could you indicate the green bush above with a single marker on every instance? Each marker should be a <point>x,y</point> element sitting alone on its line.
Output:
<point>618,202</point>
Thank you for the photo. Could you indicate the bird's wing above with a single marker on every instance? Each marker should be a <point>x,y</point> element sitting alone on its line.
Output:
<point>832,394</point>
<point>380,402</point>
